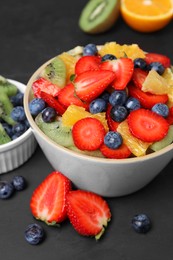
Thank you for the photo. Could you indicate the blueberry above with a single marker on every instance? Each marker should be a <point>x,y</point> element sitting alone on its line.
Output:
<point>6,189</point>
<point>105,95</point>
<point>48,114</point>
<point>19,183</point>
<point>157,66</point>
<point>141,223</point>
<point>118,113</point>
<point>19,128</point>
<point>132,104</point>
<point>108,57</point>
<point>118,97</point>
<point>18,114</point>
<point>90,50</point>
<point>161,109</point>
<point>97,105</point>
<point>15,136</point>
<point>140,63</point>
<point>8,129</point>
<point>36,106</point>
<point>34,234</point>
<point>17,100</point>
<point>26,122</point>
<point>113,140</point>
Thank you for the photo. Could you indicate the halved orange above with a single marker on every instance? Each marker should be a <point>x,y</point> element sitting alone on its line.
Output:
<point>147,15</point>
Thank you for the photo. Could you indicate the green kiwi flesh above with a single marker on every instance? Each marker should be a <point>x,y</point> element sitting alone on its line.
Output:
<point>62,135</point>
<point>5,109</point>
<point>4,138</point>
<point>99,15</point>
<point>96,153</point>
<point>7,87</point>
<point>168,139</point>
<point>55,72</point>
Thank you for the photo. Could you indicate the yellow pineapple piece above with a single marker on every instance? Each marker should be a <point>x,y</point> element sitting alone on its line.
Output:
<point>136,146</point>
<point>131,51</point>
<point>168,76</point>
<point>74,113</point>
<point>155,84</point>
<point>70,62</point>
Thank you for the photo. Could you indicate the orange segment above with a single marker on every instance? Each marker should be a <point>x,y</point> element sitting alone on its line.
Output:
<point>74,113</point>
<point>147,15</point>
<point>132,51</point>
<point>136,146</point>
<point>70,62</point>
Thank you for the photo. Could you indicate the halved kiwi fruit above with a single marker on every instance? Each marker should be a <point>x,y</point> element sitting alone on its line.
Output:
<point>99,15</point>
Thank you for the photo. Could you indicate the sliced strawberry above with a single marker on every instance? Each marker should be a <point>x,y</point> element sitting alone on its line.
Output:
<point>155,57</point>
<point>120,153</point>
<point>88,212</point>
<point>88,134</point>
<point>146,99</point>
<point>147,125</point>
<point>111,123</point>
<point>123,68</point>
<point>48,87</point>
<point>139,77</point>
<point>67,97</point>
<point>48,201</point>
<point>53,102</point>
<point>86,63</point>
<point>90,84</point>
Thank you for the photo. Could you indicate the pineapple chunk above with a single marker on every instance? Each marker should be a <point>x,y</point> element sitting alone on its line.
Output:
<point>136,146</point>
<point>155,84</point>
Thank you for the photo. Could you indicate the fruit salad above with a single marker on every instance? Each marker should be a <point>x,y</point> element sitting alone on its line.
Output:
<point>13,121</point>
<point>112,101</point>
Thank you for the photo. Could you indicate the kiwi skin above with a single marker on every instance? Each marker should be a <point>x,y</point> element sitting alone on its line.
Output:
<point>101,24</point>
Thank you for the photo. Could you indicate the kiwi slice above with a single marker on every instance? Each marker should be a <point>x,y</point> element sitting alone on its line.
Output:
<point>99,15</point>
<point>168,139</point>
<point>7,87</point>
<point>55,72</point>
<point>5,109</point>
<point>55,131</point>
<point>4,138</point>
<point>96,153</point>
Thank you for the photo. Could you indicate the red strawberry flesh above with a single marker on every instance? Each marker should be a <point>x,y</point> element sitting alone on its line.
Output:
<point>88,212</point>
<point>147,125</point>
<point>42,84</point>
<point>88,134</point>
<point>48,201</point>
<point>90,84</point>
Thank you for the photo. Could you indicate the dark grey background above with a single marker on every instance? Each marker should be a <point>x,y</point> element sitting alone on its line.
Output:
<point>31,32</point>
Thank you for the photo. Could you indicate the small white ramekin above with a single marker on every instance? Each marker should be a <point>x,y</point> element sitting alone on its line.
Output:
<point>18,151</point>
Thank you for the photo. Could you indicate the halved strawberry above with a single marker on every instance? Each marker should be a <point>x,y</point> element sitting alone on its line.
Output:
<point>86,63</point>
<point>139,77</point>
<point>53,102</point>
<point>90,84</point>
<point>120,153</point>
<point>146,99</point>
<point>48,201</point>
<point>88,212</point>
<point>147,125</point>
<point>42,84</point>
<point>67,97</point>
<point>155,57</point>
<point>88,134</point>
<point>111,123</point>
<point>123,69</point>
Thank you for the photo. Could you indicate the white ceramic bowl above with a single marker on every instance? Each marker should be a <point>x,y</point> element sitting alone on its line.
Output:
<point>107,177</point>
<point>18,151</point>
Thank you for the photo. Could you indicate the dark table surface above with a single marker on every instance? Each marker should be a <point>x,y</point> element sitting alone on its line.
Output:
<point>31,32</point>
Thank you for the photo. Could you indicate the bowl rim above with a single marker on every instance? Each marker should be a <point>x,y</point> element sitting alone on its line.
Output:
<point>35,76</point>
<point>12,144</point>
